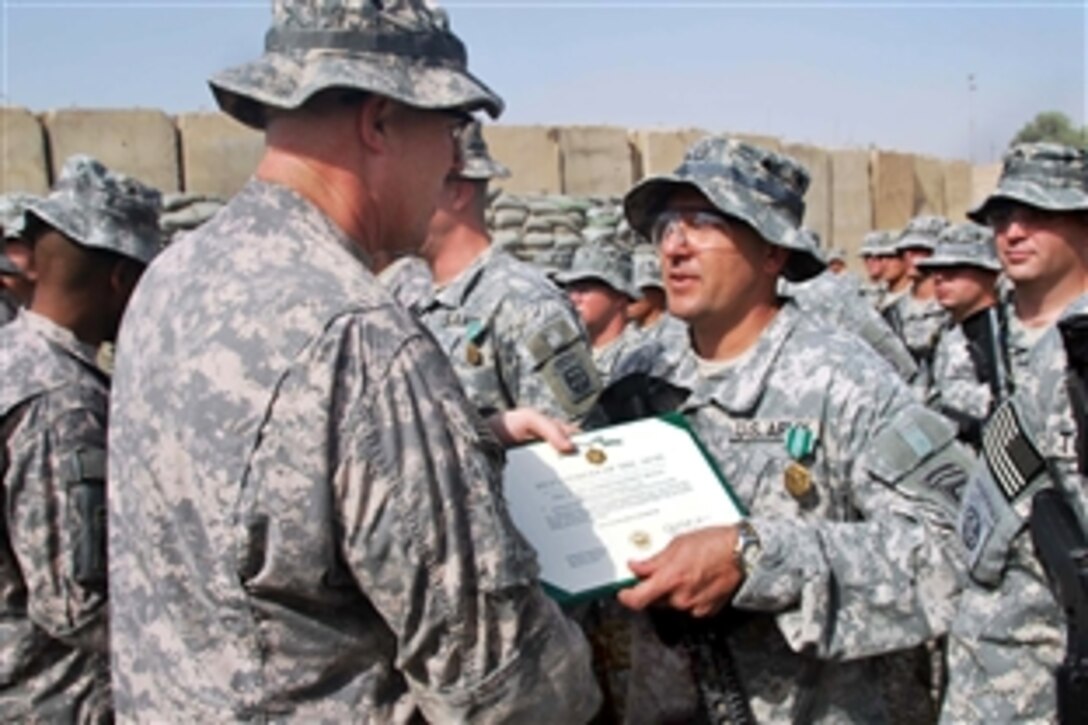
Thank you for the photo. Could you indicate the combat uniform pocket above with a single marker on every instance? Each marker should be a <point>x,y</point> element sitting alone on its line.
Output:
<point>86,516</point>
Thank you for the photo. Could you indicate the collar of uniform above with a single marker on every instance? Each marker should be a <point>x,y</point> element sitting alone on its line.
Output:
<point>738,389</point>
<point>287,199</point>
<point>60,337</point>
<point>456,291</point>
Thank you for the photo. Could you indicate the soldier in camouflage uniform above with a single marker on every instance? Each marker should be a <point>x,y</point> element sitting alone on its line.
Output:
<point>599,283</point>
<point>511,334</point>
<point>311,527</point>
<point>1008,635</point>
<point>893,273</point>
<point>873,288</point>
<point>917,316</point>
<point>964,268</point>
<point>847,553</point>
<point>833,299</point>
<point>18,249</point>
<point>670,334</point>
<point>93,236</point>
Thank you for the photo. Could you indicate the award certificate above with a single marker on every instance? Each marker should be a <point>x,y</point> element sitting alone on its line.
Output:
<point>626,492</point>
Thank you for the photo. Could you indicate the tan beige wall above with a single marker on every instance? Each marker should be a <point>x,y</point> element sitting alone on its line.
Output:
<point>853,191</point>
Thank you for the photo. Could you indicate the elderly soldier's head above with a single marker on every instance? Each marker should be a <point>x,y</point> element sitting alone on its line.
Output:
<point>18,248</point>
<point>459,225</point>
<point>1039,214</point>
<point>964,268</point>
<point>599,285</point>
<point>93,237</point>
<point>727,225</point>
<point>362,103</point>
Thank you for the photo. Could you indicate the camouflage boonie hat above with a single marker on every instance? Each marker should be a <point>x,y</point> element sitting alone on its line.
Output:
<point>965,245</point>
<point>102,209</point>
<point>13,214</point>
<point>401,49</point>
<point>477,162</point>
<point>759,187</point>
<point>647,267</point>
<point>878,244</point>
<point>604,260</point>
<point>921,232</point>
<point>1047,176</point>
<point>836,255</point>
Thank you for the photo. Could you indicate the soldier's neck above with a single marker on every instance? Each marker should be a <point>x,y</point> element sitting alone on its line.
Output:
<point>82,317</point>
<point>454,253</point>
<point>1039,303</point>
<point>727,337</point>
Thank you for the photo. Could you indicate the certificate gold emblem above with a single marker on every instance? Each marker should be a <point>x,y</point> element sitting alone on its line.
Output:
<point>798,480</point>
<point>640,539</point>
<point>473,356</point>
<point>596,456</point>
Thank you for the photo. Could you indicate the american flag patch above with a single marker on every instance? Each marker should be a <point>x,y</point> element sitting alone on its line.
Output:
<point>1013,459</point>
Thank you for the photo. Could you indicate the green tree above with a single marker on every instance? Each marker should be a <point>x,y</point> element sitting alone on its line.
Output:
<point>1052,126</point>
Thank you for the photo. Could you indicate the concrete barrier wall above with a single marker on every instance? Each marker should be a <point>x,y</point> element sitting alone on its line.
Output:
<point>22,152</point>
<point>852,192</point>
<point>218,154</point>
<point>138,142</point>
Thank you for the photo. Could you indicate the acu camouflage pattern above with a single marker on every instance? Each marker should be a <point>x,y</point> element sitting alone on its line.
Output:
<point>833,300</point>
<point>312,527</point>
<point>408,279</point>
<point>964,245</point>
<point>955,383</point>
<point>101,209</point>
<point>1009,636</point>
<point>13,214</point>
<point>605,259</point>
<point>921,232</point>
<point>513,338</point>
<point>862,563</point>
<point>476,162</point>
<point>921,322</point>
<point>761,188</point>
<point>646,267</point>
<point>401,49</point>
<point>54,663</point>
<point>1046,176</point>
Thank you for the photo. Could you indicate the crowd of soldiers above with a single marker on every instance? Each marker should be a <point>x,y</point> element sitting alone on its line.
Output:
<point>281,498</point>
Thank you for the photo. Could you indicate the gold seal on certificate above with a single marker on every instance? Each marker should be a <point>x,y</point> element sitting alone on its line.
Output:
<point>626,492</point>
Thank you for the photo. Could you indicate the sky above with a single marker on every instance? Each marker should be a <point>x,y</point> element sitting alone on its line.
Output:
<point>895,75</point>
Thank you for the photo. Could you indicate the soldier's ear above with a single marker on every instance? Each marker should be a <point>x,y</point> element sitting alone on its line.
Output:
<point>775,260</point>
<point>372,123</point>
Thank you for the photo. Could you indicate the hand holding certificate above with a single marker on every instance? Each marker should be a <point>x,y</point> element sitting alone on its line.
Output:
<point>626,492</point>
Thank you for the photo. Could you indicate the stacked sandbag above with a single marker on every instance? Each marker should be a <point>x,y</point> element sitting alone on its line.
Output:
<point>184,212</point>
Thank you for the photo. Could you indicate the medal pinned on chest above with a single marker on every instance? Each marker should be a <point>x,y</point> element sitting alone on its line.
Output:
<point>474,333</point>
<point>800,443</point>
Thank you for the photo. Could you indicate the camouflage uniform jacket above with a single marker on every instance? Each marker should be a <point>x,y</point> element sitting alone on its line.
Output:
<point>54,664</point>
<point>833,300</point>
<point>858,563</point>
<point>872,293</point>
<point>408,279</point>
<point>631,352</point>
<point>1009,635</point>
<point>513,338</point>
<point>955,384</point>
<point>922,321</point>
<point>312,527</point>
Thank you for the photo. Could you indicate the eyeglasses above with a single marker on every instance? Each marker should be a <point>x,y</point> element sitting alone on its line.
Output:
<point>699,229</point>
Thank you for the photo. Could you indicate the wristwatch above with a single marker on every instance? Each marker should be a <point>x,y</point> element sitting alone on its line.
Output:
<point>748,547</point>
